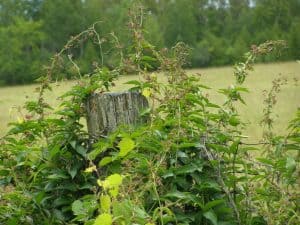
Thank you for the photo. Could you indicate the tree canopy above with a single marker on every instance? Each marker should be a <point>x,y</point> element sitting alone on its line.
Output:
<point>218,31</point>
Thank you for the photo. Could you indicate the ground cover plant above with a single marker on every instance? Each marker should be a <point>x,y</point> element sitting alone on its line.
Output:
<point>190,164</point>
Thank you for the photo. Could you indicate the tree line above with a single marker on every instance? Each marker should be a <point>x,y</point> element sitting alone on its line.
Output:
<point>218,31</point>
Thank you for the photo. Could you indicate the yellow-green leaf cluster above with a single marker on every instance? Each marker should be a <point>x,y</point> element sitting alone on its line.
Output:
<point>126,145</point>
<point>111,184</point>
<point>103,219</point>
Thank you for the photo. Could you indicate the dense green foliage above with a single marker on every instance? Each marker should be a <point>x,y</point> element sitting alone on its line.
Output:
<point>190,164</point>
<point>218,31</point>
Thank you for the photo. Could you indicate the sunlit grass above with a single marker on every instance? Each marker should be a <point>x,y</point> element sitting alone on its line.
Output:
<point>260,79</point>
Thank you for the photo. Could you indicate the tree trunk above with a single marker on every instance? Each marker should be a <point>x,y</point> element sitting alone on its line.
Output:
<point>107,111</point>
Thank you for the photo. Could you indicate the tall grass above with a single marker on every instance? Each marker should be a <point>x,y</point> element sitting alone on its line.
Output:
<point>12,98</point>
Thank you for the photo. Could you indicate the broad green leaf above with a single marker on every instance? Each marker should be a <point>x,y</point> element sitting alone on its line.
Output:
<point>77,208</point>
<point>183,196</point>
<point>122,210</point>
<point>106,160</point>
<point>115,180</point>
<point>103,219</point>
<point>62,201</point>
<point>105,203</point>
<point>73,170</point>
<point>100,147</point>
<point>126,145</point>
<point>187,169</point>
<point>81,150</point>
<point>290,164</point>
<point>234,121</point>
<point>212,204</point>
<point>78,148</point>
<point>211,216</point>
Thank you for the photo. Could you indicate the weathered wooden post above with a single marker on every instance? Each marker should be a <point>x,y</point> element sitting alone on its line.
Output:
<point>107,111</point>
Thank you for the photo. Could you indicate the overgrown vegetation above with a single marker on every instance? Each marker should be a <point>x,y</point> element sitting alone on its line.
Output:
<point>218,31</point>
<point>189,165</point>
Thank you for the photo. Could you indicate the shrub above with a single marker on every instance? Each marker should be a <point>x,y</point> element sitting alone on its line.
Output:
<point>188,165</point>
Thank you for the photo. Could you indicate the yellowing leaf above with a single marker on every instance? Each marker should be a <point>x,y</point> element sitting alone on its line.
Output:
<point>114,192</point>
<point>126,145</point>
<point>153,76</point>
<point>111,182</point>
<point>114,180</point>
<point>146,92</point>
<point>90,169</point>
<point>20,120</point>
<point>105,203</point>
<point>103,219</point>
<point>105,184</point>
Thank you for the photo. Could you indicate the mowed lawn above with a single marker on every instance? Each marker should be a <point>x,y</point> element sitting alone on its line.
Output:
<point>260,79</point>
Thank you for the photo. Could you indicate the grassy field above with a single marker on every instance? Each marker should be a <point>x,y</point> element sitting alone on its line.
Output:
<point>260,79</point>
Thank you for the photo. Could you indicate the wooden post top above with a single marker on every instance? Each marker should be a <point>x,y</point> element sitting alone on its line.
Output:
<point>109,110</point>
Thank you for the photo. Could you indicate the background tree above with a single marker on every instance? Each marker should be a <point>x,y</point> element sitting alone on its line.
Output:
<point>218,31</point>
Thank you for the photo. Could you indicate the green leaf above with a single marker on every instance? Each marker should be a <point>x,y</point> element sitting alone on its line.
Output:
<point>105,203</point>
<point>111,183</point>
<point>103,219</point>
<point>61,201</point>
<point>212,204</point>
<point>78,148</point>
<point>265,161</point>
<point>77,208</point>
<point>106,160</point>
<point>168,174</point>
<point>290,164</point>
<point>148,58</point>
<point>123,211</point>
<point>209,186</point>
<point>115,180</point>
<point>211,216</point>
<point>187,169</point>
<point>81,150</point>
<point>134,82</point>
<point>234,121</point>
<point>126,145</point>
<point>73,170</point>
<point>184,196</point>
<point>114,191</point>
<point>58,176</point>
<point>99,148</point>
<point>211,105</point>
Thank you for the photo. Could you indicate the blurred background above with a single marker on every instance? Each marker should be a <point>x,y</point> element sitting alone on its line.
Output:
<point>218,31</point>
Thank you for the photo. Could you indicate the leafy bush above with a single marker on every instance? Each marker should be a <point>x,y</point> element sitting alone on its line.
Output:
<point>190,164</point>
